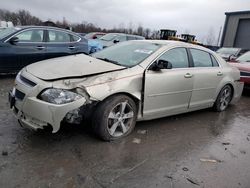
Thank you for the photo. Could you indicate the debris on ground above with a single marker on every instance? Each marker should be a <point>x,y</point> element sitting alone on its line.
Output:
<point>169,177</point>
<point>243,152</point>
<point>210,160</point>
<point>185,169</point>
<point>136,141</point>
<point>142,131</point>
<point>226,143</point>
<point>193,181</point>
<point>248,139</point>
<point>4,153</point>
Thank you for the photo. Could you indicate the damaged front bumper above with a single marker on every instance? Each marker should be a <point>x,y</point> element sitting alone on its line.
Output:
<point>36,114</point>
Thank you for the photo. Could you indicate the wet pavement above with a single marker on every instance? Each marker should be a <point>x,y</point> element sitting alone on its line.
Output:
<point>199,149</point>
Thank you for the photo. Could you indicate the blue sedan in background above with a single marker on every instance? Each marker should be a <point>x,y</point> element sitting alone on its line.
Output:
<point>20,46</point>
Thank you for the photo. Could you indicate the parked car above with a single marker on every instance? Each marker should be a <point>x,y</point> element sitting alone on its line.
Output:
<point>2,28</point>
<point>229,54</point>
<point>243,64</point>
<point>94,46</point>
<point>20,46</point>
<point>82,34</point>
<point>113,38</point>
<point>122,84</point>
<point>94,35</point>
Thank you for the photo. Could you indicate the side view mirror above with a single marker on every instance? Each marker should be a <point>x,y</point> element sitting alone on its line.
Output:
<point>94,37</point>
<point>160,64</point>
<point>232,58</point>
<point>14,40</point>
<point>116,41</point>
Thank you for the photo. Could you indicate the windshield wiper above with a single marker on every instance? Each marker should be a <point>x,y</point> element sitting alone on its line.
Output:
<point>110,61</point>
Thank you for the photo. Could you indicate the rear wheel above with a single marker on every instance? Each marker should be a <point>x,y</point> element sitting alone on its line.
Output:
<point>223,99</point>
<point>115,117</point>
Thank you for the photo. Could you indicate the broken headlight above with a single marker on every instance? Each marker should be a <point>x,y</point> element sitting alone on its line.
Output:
<point>59,96</point>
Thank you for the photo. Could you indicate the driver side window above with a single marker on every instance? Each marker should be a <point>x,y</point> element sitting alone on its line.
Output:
<point>121,38</point>
<point>35,35</point>
<point>177,57</point>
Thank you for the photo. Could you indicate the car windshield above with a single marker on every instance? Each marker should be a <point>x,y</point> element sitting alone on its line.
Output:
<point>108,37</point>
<point>7,31</point>
<point>127,54</point>
<point>244,58</point>
<point>229,51</point>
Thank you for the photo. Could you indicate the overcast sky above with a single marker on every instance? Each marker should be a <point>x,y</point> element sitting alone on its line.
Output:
<point>195,16</point>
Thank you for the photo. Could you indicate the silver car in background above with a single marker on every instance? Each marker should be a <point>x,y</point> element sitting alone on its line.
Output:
<point>128,82</point>
<point>111,39</point>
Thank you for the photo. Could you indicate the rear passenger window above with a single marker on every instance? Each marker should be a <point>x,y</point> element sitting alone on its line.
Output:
<point>177,57</point>
<point>131,38</point>
<point>201,58</point>
<point>58,36</point>
<point>121,38</point>
<point>215,62</point>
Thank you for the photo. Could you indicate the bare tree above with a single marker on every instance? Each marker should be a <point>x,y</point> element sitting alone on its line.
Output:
<point>147,33</point>
<point>23,17</point>
<point>130,28</point>
<point>210,39</point>
<point>139,30</point>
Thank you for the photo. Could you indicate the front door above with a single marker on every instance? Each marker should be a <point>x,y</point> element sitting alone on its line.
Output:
<point>168,91</point>
<point>30,48</point>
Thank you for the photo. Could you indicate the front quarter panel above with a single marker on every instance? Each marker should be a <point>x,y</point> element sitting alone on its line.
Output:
<point>125,81</point>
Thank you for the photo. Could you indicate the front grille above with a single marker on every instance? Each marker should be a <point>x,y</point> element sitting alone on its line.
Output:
<point>27,81</point>
<point>19,95</point>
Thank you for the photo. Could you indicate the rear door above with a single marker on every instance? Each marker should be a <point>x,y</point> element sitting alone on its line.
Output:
<point>168,91</point>
<point>207,75</point>
<point>60,43</point>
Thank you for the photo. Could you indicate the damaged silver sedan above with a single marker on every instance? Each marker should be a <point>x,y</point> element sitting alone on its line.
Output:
<point>128,82</point>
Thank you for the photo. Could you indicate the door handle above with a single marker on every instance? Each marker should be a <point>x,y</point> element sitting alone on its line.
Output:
<point>71,47</point>
<point>40,47</point>
<point>188,75</point>
<point>219,74</point>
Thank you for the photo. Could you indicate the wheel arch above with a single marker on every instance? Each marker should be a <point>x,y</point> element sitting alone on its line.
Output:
<point>230,85</point>
<point>135,98</point>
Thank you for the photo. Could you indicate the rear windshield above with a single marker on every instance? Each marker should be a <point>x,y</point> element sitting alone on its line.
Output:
<point>108,37</point>
<point>244,58</point>
<point>229,51</point>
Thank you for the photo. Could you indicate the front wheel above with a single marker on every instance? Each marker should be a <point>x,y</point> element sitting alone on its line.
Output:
<point>223,99</point>
<point>115,117</point>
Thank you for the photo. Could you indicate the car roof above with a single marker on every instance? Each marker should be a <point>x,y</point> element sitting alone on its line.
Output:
<point>176,44</point>
<point>42,27</point>
<point>126,34</point>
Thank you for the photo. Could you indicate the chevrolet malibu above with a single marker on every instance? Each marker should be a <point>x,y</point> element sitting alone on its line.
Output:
<point>128,82</point>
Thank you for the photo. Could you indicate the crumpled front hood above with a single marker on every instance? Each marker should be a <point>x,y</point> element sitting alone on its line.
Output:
<point>70,66</point>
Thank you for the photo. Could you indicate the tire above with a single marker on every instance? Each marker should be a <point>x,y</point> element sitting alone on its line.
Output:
<point>115,117</point>
<point>223,99</point>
